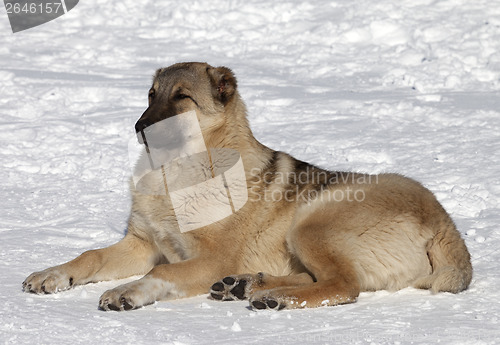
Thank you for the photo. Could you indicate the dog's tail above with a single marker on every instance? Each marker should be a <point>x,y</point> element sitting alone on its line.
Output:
<point>450,261</point>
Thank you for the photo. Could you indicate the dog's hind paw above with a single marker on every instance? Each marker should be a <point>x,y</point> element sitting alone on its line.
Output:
<point>232,288</point>
<point>266,302</point>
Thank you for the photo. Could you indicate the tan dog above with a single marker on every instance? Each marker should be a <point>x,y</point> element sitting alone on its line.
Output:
<point>320,237</point>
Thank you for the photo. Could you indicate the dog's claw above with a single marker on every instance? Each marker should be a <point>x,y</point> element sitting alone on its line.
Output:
<point>113,307</point>
<point>125,304</point>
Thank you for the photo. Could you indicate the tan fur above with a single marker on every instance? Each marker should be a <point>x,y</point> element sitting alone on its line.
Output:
<point>321,238</point>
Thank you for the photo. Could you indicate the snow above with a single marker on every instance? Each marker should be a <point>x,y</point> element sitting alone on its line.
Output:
<point>404,86</point>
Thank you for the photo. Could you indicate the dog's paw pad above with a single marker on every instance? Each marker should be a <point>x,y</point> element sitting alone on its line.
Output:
<point>219,286</point>
<point>267,303</point>
<point>230,289</point>
<point>239,290</point>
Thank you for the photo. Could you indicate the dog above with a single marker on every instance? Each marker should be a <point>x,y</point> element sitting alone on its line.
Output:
<point>305,237</point>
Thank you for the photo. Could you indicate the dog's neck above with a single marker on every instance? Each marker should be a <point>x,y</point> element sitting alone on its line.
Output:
<point>236,134</point>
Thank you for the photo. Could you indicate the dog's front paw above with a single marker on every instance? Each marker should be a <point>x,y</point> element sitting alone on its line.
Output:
<point>126,297</point>
<point>51,280</point>
<point>116,299</point>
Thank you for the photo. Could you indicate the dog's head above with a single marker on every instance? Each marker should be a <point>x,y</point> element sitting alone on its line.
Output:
<point>187,87</point>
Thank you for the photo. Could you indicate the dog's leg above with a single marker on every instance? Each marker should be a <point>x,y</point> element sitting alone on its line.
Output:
<point>128,257</point>
<point>321,250</point>
<point>336,284</point>
<point>183,279</point>
<point>323,293</point>
<point>242,286</point>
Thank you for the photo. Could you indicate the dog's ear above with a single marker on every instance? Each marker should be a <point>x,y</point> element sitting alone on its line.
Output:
<point>223,83</point>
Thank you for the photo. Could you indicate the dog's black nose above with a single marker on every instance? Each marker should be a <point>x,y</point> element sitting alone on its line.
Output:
<point>141,125</point>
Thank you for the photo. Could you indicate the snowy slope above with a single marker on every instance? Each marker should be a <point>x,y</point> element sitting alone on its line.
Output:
<point>410,86</point>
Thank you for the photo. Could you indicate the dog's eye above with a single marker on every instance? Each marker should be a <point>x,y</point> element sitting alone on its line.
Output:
<point>182,96</point>
<point>151,95</point>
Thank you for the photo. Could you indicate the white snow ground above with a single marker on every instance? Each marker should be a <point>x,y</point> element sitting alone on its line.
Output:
<point>410,86</point>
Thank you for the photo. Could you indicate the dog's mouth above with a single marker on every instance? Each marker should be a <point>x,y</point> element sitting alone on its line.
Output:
<point>155,138</point>
<point>177,134</point>
<point>141,137</point>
